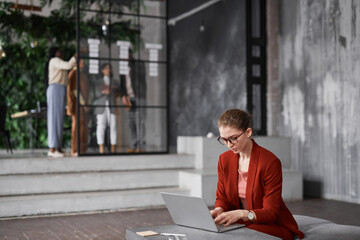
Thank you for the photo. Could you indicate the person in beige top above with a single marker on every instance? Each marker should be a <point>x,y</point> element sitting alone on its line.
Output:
<point>55,94</point>
<point>58,69</point>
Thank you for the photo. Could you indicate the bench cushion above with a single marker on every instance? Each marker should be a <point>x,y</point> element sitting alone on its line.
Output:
<point>316,228</point>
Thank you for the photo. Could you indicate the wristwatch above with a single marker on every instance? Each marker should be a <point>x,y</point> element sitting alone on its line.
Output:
<point>251,216</point>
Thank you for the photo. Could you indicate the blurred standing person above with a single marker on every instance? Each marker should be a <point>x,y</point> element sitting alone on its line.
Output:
<point>133,88</point>
<point>57,78</point>
<point>105,115</point>
<point>84,110</point>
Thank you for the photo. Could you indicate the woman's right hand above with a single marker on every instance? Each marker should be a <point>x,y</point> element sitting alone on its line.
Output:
<point>216,212</point>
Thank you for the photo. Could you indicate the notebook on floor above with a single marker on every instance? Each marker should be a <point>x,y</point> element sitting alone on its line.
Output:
<point>193,212</point>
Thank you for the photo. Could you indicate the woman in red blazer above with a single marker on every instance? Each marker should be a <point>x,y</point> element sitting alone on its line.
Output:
<point>250,181</point>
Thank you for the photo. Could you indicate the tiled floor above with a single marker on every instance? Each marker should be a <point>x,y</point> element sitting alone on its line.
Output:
<point>86,226</point>
<point>113,225</point>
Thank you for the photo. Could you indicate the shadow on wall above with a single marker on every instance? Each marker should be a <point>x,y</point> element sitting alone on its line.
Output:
<point>313,189</point>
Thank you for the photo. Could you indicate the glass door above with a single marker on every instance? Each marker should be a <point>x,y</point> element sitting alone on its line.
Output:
<point>122,77</point>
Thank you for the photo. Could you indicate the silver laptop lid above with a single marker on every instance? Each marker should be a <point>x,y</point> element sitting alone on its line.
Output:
<point>189,211</point>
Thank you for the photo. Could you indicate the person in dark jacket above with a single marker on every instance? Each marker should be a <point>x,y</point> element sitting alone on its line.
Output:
<point>105,92</point>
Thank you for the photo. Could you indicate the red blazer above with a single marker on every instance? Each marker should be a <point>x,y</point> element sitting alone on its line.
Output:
<point>263,192</point>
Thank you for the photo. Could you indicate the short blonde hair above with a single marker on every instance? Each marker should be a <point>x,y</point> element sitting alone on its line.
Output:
<point>236,118</point>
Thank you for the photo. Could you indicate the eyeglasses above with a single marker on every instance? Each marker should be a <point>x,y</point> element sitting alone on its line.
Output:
<point>232,140</point>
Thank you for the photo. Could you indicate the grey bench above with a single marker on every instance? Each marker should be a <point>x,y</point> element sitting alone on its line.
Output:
<point>314,229</point>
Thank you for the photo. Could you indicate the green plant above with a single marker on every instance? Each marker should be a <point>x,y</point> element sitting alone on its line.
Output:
<point>24,44</point>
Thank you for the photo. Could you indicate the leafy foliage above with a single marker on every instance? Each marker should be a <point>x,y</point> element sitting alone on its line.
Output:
<point>26,39</point>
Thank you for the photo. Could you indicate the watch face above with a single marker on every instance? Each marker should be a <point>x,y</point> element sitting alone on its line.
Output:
<point>251,215</point>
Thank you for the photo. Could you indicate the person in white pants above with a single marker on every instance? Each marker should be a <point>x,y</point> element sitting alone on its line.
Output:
<point>105,113</point>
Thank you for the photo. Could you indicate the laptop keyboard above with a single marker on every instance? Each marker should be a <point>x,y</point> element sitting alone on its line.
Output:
<point>222,228</point>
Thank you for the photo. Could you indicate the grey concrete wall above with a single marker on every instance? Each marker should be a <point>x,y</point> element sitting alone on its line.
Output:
<point>320,86</point>
<point>273,79</point>
<point>207,68</point>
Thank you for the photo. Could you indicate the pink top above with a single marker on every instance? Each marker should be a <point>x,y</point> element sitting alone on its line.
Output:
<point>242,181</point>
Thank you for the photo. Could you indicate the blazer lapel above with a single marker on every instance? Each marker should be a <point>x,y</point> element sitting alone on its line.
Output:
<point>234,166</point>
<point>254,159</point>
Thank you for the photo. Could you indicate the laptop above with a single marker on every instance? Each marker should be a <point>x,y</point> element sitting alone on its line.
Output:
<point>190,211</point>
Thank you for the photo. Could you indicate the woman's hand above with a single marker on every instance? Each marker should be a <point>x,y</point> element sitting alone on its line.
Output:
<point>216,212</point>
<point>227,218</point>
<point>126,102</point>
<point>105,89</point>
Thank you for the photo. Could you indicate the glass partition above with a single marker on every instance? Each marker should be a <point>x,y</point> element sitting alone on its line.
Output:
<point>122,77</point>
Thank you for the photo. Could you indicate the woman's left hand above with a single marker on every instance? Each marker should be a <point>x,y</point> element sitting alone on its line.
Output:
<point>227,218</point>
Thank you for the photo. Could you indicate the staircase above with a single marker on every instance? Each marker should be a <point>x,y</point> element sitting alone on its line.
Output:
<point>34,186</point>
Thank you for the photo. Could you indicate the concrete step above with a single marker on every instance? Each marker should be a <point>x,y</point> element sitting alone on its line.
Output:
<point>280,146</point>
<point>87,181</point>
<point>42,185</point>
<point>203,182</point>
<point>82,202</point>
<point>292,185</point>
<point>10,166</point>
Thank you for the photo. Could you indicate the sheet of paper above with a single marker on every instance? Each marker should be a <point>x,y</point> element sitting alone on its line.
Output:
<point>147,233</point>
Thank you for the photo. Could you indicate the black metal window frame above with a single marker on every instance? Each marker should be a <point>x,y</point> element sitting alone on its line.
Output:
<point>256,39</point>
<point>138,15</point>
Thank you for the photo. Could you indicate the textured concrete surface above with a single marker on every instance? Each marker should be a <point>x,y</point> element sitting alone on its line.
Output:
<point>319,72</point>
<point>207,68</point>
